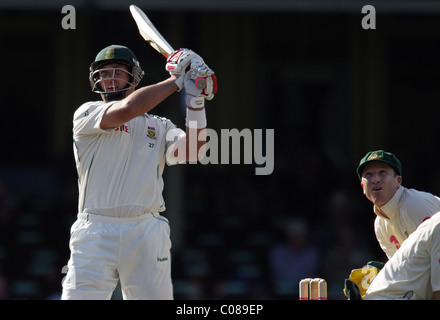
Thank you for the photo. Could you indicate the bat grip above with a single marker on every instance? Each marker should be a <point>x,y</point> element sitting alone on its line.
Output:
<point>201,82</point>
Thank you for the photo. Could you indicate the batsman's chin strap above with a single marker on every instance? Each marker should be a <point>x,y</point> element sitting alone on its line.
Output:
<point>116,96</point>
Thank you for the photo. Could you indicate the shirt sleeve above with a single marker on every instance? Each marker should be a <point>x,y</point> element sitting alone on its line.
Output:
<point>418,209</point>
<point>175,140</point>
<point>435,260</point>
<point>87,118</point>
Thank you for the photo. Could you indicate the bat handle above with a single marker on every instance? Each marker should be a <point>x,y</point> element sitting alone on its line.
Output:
<point>201,82</point>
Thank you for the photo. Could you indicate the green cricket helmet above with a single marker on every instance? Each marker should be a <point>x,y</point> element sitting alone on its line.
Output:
<point>99,76</point>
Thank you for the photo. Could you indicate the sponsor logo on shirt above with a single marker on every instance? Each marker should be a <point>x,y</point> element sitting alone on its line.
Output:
<point>122,128</point>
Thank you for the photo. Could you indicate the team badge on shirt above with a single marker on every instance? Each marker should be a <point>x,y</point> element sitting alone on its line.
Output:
<point>151,132</point>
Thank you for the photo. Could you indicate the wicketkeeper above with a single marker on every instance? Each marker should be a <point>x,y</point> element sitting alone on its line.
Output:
<point>399,211</point>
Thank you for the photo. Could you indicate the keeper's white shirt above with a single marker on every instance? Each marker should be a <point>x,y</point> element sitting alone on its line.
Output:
<point>406,210</point>
<point>414,271</point>
<point>120,170</point>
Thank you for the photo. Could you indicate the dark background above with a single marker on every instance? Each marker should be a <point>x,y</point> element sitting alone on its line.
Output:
<point>331,90</point>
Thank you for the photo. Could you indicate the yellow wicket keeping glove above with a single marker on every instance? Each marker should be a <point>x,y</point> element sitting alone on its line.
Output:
<point>359,280</point>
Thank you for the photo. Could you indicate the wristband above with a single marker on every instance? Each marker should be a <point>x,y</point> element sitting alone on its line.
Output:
<point>195,119</point>
<point>195,102</point>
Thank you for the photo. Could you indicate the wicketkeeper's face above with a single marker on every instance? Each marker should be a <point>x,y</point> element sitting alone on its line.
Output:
<point>379,182</point>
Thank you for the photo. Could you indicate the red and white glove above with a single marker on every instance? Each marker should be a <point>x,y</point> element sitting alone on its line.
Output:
<point>185,60</point>
<point>176,65</point>
<point>194,96</point>
<point>211,87</point>
<point>179,61</point>
<point>195,113</point>
<point>190,84</point>
<point>200,70</point>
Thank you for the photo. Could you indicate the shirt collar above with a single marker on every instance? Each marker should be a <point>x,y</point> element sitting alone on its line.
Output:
<point>391,207</point>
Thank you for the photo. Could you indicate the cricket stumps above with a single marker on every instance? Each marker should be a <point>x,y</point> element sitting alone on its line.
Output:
<point>313,289</point>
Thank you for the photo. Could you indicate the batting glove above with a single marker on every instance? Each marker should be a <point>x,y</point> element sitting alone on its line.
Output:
<point>200,68</point>
<point>179,61</point>
<point>211,87</point>
<point>194,96</point>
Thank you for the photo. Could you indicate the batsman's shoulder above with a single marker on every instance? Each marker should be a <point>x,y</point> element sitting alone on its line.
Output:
<point>86,108</point>
<point>167,123</point>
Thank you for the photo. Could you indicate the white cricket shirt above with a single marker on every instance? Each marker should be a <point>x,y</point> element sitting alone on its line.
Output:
<point>120,170</point>
<point>414,271</point>
<point>406,210</point>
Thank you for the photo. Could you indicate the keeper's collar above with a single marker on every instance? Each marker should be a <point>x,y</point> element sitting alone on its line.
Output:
<point>391,207</point>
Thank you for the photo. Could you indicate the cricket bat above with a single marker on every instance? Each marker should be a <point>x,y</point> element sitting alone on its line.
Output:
<point>149,32</point>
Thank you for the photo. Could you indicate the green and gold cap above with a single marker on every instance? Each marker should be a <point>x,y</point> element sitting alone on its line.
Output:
<point>383,156</point>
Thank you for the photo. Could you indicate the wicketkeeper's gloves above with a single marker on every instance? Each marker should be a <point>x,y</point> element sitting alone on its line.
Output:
<point>359,280</point>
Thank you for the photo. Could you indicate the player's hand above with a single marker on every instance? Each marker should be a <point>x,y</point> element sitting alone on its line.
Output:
<point>351,290</point>
<point>179,61</point>
<point>208,92</point>
<point>377,264</point>
<point>211,87</point>
<point>194,96</point>
<point>199,69</point>
<point>360,279</point>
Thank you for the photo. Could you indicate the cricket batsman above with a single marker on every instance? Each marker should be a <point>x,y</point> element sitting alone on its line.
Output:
<point>120,151</point>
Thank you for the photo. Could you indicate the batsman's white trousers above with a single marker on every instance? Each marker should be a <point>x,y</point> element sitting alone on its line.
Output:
<point>134,250</point>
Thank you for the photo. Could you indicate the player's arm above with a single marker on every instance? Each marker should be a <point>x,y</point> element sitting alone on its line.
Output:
<point>137,103</point>
<point>190,148</point>
<point>195,141</point>
<point>435,262</point>
<point>195,121</point>
<point>190,66</point>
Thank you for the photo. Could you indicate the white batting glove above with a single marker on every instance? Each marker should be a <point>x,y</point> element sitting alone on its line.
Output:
<point>211,87</point>
<point>194,96</point>
<point>179,61</point>
<point>200,68</point>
